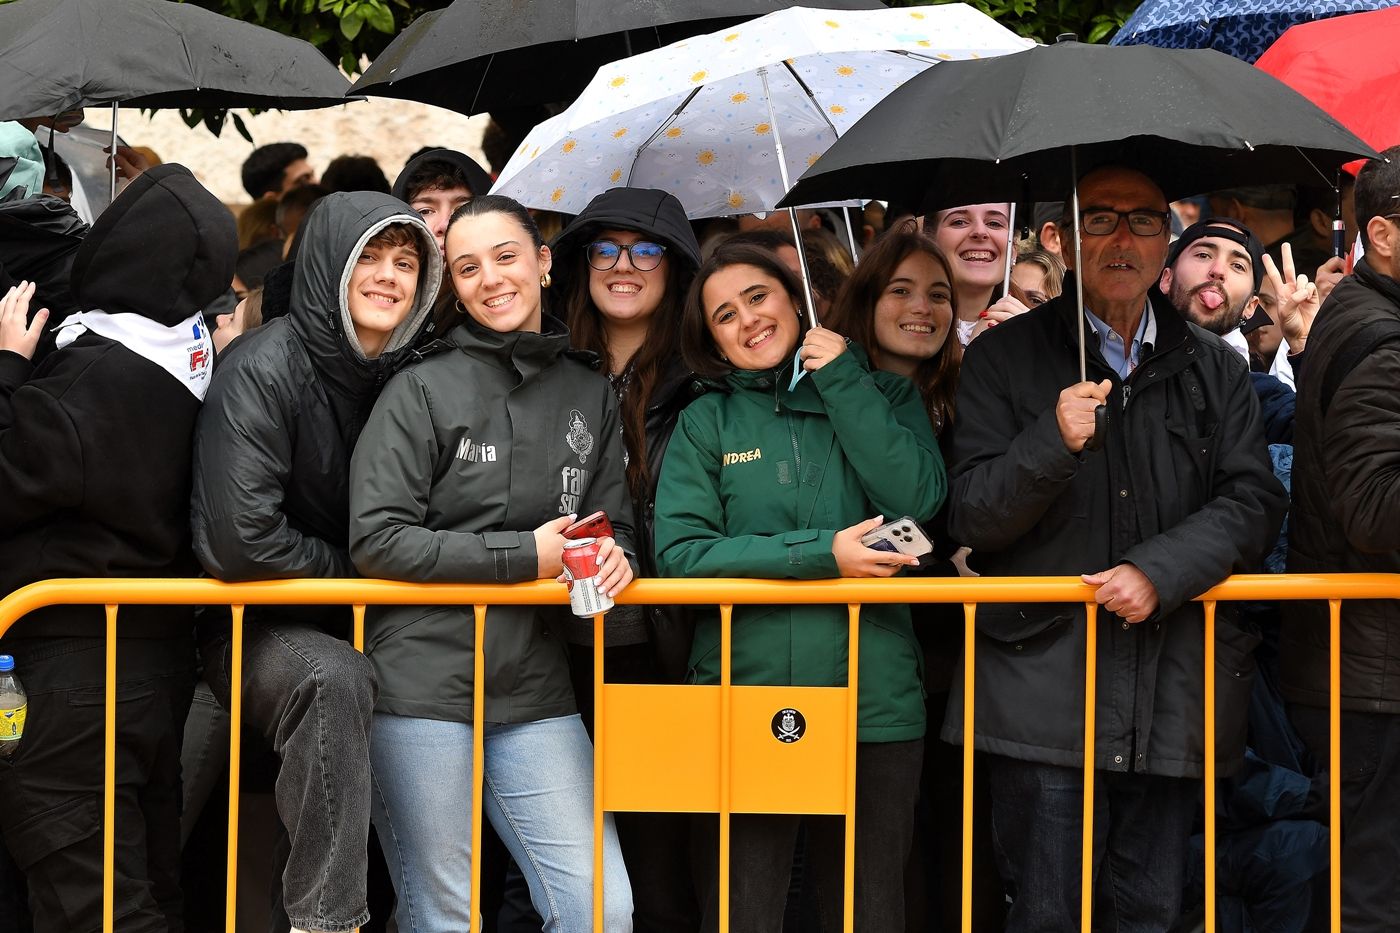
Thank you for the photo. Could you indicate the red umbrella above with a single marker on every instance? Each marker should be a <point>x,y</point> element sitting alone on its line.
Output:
<point>1348,66</point>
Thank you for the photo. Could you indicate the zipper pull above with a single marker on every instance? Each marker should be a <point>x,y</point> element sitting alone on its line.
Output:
<point>1127,393</point>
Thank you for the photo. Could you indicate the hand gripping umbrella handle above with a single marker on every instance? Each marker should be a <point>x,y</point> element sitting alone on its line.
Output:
<point>1100,428</point>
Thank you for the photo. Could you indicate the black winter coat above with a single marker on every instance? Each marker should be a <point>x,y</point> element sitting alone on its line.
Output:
<point>95,442</point>
<point>1346,502</point>
<point>272,451</point>
<point>1183,490</point>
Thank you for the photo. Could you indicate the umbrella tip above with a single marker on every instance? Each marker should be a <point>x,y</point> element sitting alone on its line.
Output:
<point>1066,37</point>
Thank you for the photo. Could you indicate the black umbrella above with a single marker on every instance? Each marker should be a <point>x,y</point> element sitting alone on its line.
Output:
<point>1026,124</point>
<point>480,55</point>
<point>59,55</point>
<point>990,129</point>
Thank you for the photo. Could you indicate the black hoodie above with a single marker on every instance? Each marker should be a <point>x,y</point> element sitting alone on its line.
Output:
<point>95,445</point>
<point>272,451</point>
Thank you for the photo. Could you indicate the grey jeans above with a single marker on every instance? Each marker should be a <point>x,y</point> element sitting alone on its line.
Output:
<point>312,697</point>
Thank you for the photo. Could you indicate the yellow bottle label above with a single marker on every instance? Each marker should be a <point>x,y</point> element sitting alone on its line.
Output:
<point>12,723</point>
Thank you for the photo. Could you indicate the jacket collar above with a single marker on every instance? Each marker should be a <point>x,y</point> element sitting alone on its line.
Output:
<point>801,397</point>
<point>522,351</point>
<point>1377,282</point>
<point>1172,330</point>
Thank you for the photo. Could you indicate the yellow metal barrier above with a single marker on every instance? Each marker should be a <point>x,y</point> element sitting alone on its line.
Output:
<point>619,735</point>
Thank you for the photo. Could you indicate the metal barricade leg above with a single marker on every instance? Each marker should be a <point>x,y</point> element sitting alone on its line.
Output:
<point>478,758</point>
<point>109,778</point>
<point>1334,792</point>
<point>1209,705</point>
<point>1091,674</point>
<point>852,711</point>
<point>969,693</point>
<point>235,732</point>
<point>598,638</point>
<point>726,738</point>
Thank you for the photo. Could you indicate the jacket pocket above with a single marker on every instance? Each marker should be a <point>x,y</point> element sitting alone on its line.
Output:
<point>53,830</point>
<point>1017,626</point>
<point>1199,450</point>
<point>394,622</point>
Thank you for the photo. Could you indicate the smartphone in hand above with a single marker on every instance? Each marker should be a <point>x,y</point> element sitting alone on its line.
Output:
<point>901,536</point>
<point>590,526</point>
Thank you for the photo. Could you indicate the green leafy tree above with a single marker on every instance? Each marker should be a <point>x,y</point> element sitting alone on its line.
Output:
<point>1043,20</point>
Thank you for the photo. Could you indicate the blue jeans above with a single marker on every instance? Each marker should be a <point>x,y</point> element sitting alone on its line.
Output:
<point>1142,825</point>
<point>538,794</point>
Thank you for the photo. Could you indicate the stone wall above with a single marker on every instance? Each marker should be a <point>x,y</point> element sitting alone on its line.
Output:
<point>388,130</point>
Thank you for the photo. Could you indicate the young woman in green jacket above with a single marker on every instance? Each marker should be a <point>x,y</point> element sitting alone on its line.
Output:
<point>768,479</point>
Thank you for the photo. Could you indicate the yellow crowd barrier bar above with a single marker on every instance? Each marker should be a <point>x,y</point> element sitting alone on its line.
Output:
<point>852,726</point>
<point>235,759</point>
<point>112,593</point>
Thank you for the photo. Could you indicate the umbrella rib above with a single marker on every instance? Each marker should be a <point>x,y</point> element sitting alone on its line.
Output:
<point>482,83</point>
<point>811,97</point>
<point>659,130</point>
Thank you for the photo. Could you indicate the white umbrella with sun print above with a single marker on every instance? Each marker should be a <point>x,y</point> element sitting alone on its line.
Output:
<point>723,121</point>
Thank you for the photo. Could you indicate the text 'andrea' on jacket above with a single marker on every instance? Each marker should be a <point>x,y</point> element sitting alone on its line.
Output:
<point>95,444</point>
<point>272,451</point>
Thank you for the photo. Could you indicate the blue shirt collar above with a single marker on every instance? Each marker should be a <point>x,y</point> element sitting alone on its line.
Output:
<point>1120,358</point>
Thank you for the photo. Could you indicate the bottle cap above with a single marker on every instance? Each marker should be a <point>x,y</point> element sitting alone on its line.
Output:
<point>7,663</point>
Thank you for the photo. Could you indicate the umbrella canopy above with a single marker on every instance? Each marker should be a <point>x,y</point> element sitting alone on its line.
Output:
<point>1349,67</point>
<point>722,121</point>
<point>480,55</point>
<point>59,55</point>
<point>1241,28</point>
<point>967,132</point>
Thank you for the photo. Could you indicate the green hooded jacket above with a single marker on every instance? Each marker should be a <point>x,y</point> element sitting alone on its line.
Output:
<point>756,483</point>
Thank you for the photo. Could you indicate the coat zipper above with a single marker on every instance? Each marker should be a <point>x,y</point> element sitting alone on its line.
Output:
<point>796,455</point>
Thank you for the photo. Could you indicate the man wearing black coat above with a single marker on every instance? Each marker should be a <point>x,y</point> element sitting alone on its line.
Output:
<point>1346,519</point>
<point>95,479</point>
<point>1179,496</point>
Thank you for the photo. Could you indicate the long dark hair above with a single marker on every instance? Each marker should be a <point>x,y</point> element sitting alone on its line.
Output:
<point>697,346</point>
<point>647,366</point>
<point>853,315</point>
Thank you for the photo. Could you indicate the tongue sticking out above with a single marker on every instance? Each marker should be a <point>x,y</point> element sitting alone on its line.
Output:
<point>1210,298</point>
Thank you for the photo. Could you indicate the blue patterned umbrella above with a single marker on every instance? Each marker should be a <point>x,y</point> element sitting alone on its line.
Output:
<point>1242,28</point>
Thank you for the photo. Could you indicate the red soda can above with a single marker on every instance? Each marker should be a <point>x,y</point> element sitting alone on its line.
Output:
<point>586,597</point>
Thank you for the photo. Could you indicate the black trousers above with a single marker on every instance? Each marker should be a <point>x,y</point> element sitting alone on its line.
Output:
<point>761,852</point>
<point>52,785</point>
<point>1370,816</point>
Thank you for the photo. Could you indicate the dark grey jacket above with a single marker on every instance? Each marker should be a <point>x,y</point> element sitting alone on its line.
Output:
<point>1183,490</point>
<point>467,452</point>
<point>1346,502</point>
<point>272,449</point>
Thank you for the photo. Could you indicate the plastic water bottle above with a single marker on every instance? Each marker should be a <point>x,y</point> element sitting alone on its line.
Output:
<point>14,705</point>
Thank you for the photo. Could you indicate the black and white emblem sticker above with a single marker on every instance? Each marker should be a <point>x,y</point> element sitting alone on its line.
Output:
<point>788,725</point>
<point>580,439</point>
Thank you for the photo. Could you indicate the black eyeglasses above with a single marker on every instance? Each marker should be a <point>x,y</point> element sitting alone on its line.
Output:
<point>1102,221</point>
<point>644,255</point>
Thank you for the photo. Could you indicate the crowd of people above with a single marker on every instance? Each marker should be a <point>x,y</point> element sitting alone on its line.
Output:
<point>421,381</point>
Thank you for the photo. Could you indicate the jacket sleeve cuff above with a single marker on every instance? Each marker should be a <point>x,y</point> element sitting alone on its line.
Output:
<point>809,554</point>
<point>514,556</point>
<point>14,370</point>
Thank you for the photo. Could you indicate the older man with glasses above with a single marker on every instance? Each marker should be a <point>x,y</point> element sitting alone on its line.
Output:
<point>1177,494</point>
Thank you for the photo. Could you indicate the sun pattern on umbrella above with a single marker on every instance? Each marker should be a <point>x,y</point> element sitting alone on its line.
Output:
<point>718,155</point>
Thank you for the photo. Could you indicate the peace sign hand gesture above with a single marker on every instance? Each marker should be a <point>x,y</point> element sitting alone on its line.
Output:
<point>1298,299</point>
<point>16,333</point>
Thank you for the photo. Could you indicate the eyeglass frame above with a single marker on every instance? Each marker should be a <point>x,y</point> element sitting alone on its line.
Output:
<point>622,248</point>
<point>1163,216</point>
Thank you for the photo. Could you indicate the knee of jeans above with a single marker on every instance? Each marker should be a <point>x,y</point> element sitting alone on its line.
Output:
<point>349,677</point>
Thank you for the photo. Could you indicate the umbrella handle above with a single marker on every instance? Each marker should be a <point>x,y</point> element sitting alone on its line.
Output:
<point>1100,428</point>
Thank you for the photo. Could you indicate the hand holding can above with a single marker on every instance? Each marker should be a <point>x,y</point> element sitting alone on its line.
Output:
<point>583,576</point>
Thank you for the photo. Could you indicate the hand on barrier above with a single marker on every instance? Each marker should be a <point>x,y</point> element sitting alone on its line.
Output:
<point>16,334</point>
<point>1075,412</point>
<point>854,559</point>
<point>549,547</point>
<point>1124,590</point>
